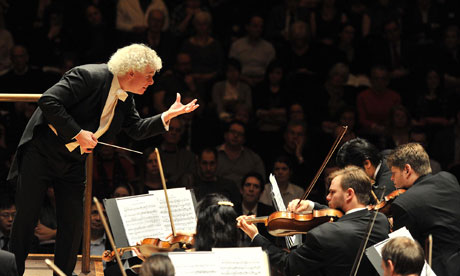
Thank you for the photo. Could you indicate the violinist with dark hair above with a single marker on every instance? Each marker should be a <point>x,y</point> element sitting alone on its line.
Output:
<point>430,205</point>
<point>330,248</point>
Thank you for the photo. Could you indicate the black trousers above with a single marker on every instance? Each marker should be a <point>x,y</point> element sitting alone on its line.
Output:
<point>42,162</point>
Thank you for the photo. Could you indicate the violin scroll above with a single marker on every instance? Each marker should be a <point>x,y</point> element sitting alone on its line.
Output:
<point>385,204</point>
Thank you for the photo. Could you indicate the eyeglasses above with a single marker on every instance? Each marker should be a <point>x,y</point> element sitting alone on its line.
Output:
<point>8,215</point>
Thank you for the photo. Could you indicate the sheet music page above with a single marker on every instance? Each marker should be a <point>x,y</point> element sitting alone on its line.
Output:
<point>401,232</point>
<point>140,217</point>
<point>194,263</point>
<point>242,261</point>
<point>279,206</point>
<point>182,209</point>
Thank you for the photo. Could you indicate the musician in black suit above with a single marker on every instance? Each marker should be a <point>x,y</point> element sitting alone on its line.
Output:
<point>252,186</point>
<point>7,264</point>
<point>330,248</point>
<point>359,152</point>
<point>429,206</point>
<point>88,104</point>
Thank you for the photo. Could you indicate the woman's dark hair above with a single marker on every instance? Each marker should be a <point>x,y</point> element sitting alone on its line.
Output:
<point>157,265</point>
<point>216,225</point>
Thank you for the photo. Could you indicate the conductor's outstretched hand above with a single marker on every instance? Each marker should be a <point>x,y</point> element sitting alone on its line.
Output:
<point>177,108</point>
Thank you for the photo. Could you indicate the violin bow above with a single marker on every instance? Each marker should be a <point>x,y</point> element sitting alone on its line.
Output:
<point>326,160</point>
<point>163,181</point>
<point>360,254</point>
<point>109,235</point>
<point>54,267</point>
<point>429,249</point>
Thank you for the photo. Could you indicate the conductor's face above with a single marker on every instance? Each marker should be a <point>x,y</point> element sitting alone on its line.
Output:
<point>138,81</point>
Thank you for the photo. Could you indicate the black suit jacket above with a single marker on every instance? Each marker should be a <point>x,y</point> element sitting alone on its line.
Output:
<point>76,102</point>
<point>330,248</point>
<point>262,210</point>
<point>7,264</point>
<point>432,206</point>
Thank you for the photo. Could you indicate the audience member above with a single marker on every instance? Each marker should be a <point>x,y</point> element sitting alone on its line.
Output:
<point>183,15</point>
<point>206,52</point>
<point>251,188</point>
<point>228,93</point>
<point>253,52</point>
<point>160,38</point>
<point>374,104</point>
<point>98,35</point>
<point>6,45</point>
<point>282,16</point>
<point>399,125</point>
<point>326,20</point>
<point>235,160</point>
<point>178,163</point>
<point>122,190</point>
<point>7,214</point>
<point>99,241</point>
<point>402,256</point>
<point>432,108</point>
<point>446,145</point>
<point>282,169</point>
<point>205,181</point>
<point>110,168</point>
<point>298,148</point>
<point>419,135</point>
<point>23,77</point>
<point>428,207</point>
<point>270,104</point>
<point>150,177</point>
<point>132,15</point>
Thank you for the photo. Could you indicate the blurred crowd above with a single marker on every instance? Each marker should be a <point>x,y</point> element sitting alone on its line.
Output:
<point>275,81</point>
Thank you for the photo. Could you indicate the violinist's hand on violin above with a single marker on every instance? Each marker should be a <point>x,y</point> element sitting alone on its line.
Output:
<point>248,228</point>
<point>179,232</point>
<point>305,206</point>
<point>139,254</point>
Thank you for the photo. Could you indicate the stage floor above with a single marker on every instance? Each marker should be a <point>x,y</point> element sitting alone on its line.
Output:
<point>36,266</point>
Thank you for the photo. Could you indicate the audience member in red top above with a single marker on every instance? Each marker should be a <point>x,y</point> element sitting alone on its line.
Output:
<point>374,104</point>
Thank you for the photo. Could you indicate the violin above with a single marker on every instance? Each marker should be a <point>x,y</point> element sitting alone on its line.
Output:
<point>148,246</point>
<point>281,223</point>
<point>384,205</point>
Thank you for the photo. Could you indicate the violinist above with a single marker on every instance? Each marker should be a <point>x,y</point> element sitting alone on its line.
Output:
<point>360,152</point>
<point>330,248</point>
<point>430,205</point>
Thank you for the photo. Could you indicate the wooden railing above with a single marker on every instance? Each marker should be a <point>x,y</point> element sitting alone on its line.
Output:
<point>4,97</point>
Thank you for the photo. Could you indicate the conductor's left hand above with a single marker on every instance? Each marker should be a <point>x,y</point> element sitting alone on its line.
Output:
<point>177,108</point>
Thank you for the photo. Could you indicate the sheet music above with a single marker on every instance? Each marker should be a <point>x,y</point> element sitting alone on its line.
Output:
<point>374,253</point>
<point>182,209</point>
<point>194,263</point>
<point>146,216</point>
<point>140,217</point>
<point>242,261</point>
<point>279,206</point>
<point>222,261</point>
